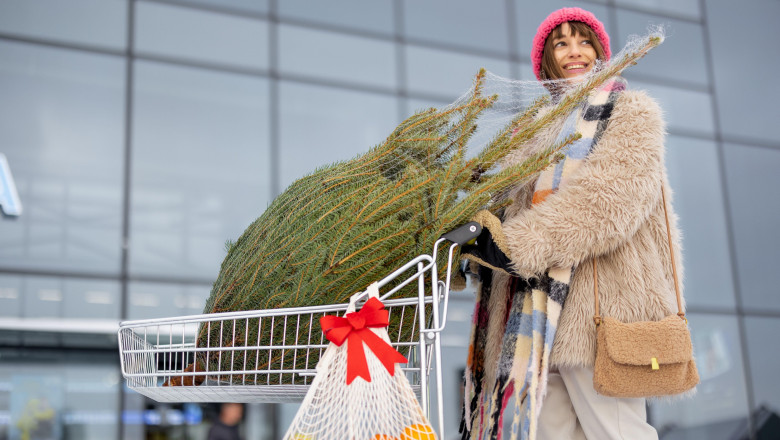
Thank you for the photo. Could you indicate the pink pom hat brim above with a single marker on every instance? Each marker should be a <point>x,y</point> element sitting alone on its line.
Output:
<point>561,16</point>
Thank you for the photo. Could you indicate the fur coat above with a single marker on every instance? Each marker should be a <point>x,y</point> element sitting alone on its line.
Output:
<point>610,209</point>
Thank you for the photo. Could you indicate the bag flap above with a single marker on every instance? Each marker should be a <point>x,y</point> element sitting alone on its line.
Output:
<point>637,343</point>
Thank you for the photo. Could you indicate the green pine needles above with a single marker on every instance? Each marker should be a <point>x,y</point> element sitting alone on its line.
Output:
<point>335,231</point>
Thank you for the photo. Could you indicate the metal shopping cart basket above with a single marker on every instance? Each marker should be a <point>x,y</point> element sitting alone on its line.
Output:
<point>154,352</point>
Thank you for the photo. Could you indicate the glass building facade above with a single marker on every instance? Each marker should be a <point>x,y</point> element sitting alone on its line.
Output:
<point>144,134</point>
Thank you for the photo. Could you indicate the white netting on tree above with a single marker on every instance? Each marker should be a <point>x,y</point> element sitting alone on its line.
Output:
<point>337,229</point>
<point>384,408</point>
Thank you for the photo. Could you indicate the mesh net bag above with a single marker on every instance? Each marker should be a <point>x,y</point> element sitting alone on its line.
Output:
<point>384,408</point>
<point>334,231</point>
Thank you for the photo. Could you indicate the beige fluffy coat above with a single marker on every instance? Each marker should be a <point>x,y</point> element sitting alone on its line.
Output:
<point>610,209</point>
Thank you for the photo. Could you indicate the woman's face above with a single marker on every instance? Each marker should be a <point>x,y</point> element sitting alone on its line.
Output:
<point>574,54</point>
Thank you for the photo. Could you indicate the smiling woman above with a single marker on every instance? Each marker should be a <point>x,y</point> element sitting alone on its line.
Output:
<point>572,50</point>
<point>604,201</point>
<point>575,52</point>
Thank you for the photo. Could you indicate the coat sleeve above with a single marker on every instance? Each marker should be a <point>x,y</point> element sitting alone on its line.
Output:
<point>604,203</point>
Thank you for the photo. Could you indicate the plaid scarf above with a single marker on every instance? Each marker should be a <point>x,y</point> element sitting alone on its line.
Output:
<point>524,313</point>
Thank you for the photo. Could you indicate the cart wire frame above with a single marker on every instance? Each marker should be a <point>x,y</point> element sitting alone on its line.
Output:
<point>155,351</point>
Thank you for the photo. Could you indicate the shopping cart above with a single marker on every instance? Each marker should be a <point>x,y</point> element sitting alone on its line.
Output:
<point>155,352</point>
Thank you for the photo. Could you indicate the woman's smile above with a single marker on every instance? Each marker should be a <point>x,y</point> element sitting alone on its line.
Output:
<point>575,54</point>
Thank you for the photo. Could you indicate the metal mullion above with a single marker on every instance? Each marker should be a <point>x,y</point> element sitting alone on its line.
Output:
<point>50,42</point>
<point>511,31</point>
<point>400,60</point>
<point>126,182</point>
<point>236,12</point>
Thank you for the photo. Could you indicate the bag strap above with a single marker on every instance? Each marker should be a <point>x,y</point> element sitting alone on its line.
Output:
<point>680,313</point>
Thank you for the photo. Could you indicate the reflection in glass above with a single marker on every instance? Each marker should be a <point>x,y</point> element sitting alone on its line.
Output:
<point>43,297</point>
<point>59,297</point>
<point>84,299</point>
<point>229,40</point>
<point>200,167</point>
<point>338,57</point>
<point>755,209</point>
<point>719,406</point>
<point>322,125</point>
<point>67,396</point>
<point>61,128</point>
<point>163,300</point>
<point>455,342</point>
<point>764,362</point>
<point>11,296</point>
<point>100,23</point>
<point>692,165</point>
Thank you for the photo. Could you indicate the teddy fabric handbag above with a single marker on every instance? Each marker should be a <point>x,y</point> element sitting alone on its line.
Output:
<point>359,391</point>
<point>647,358</point>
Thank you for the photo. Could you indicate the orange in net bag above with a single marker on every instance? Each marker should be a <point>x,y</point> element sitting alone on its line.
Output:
<point>376,404</point>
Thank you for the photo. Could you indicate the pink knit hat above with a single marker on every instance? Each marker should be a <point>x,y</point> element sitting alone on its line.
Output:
<point>561,16</point>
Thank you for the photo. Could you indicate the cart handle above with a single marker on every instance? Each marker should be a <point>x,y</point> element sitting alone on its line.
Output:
<point>463,234</point>
<point>458,237</point>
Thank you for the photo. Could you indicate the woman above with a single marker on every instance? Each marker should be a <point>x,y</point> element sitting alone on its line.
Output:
<point>603,201</point>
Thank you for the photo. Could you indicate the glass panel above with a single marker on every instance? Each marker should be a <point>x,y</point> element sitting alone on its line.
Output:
<point>684,49</point>
<point>247,5</point>
<point>164,300</point>
<point>686,8</point>
<point>201,167</point>
<point>11,291</point>
<point>338,125</point>
<point>529,15</point>
<point>100,23</point>
<point>452,22</point>
<point>40,297</point>
<point>746,88</point>
<point>58,297</point>
<point>338,57</point>
<point>764,362</point>
<point>356,14</point>
<point>91,299</point>
<point>145,418</point>
<point>527,72</point>
<point>61,127</point>
<point>43,297</point>
<point>8,338</point>
<point>692,165</point>
<point>755,209</point>
<point>447,74</point>
<point>719,407</point>
<point>684,109</point>
<point>417,105</point>
<point>78,392</point>
<point>455,342</point>
<point>179,32</point>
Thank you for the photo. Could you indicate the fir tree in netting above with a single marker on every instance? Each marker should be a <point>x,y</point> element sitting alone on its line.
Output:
<point>335,231</point>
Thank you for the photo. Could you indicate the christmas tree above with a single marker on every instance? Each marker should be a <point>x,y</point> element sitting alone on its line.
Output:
<point>333,232</point>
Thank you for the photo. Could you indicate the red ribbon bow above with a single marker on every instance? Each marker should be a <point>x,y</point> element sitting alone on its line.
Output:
<point>355,329</point>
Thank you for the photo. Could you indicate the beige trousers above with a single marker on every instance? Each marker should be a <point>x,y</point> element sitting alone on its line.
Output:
<point>572,410</point>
